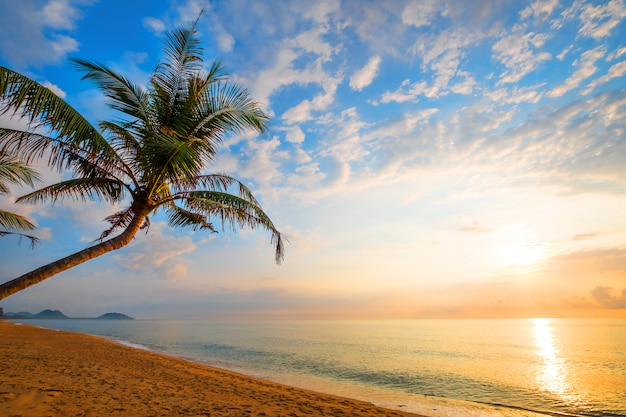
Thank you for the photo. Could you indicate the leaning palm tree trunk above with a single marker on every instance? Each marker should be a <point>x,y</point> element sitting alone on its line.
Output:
<point>46,271</point>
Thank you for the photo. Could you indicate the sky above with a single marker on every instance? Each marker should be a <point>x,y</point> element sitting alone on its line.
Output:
<point>427,159</point>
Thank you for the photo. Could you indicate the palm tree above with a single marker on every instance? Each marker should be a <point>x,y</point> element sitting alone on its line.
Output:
<point>15,171</point>
<point>152,158</point>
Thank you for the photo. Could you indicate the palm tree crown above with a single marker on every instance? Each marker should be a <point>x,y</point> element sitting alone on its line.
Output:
<point>153,156</point>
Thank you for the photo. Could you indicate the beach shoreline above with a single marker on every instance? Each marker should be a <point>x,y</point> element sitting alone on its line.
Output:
<point>58,373</point>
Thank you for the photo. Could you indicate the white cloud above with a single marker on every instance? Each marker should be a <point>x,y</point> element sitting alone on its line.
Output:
<point>429,48</point>
<point>303,111</point>
<point>616,71</point>
<point>464,87</point>
<point>295,135</point>
<point>407,91</point>
<point>261,161</point>
<point>281,74</point>
<point>302,157</point>
<point>157,251</point>
<point>59,14</point>
<point>563,53</point>
<point>585,68</point>
<point>41,30</point>
<point>226,42</point>
<point>364,77</point>
<point>420,13</point>
<point>443,54</point>
<point>616,54</point>
<point>517,95</point>
<point>406,125</point>
<point>598,21</point>
<point>520,53</point>
<point>541,9</point>
<point>188,12</point>
<point>312,41</point>
<point>445,68</point>
<point>155,25</point>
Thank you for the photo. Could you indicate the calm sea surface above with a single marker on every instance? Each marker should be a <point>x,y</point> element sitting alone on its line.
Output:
<point>433,367</point>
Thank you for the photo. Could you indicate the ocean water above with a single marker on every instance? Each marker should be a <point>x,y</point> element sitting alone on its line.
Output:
<point>517,367</point>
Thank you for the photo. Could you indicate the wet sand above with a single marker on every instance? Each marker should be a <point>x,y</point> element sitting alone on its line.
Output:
<point>55,373</point>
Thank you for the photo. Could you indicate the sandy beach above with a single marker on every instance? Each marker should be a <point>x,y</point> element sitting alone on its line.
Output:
<point>54,373</point>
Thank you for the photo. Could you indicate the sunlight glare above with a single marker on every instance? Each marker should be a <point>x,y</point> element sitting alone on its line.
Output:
<point>521,254</point>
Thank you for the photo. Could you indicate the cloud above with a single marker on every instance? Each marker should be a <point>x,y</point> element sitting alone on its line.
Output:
<point>407,91</point>
<point>260,161</point>
<point>42,30</point>
<point>464,87</point>
<point>283,73</point>
<point>616,71</point>
<point>607,261</point>
<point>473,229</point>
<point>584,236</point>
<point>157,252</point>
<point>585,68</point>
<point>578,302</point>
<point>190,10</point>
<point>155,25</point>
<point>516,95</point>
<point>364,77</point>
<point>442,54</point>
<point>598,20</point>
<point>616,54</point>
<point>54,88</point>
<point>540,9</point>
<point>303,111</point>
<point>313,41</point>
<point>520,53</point>
<point>420,13</point>
<point>604,297</point>
<point>295,135</point>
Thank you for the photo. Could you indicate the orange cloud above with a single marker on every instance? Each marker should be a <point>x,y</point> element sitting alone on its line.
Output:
<point>603,296</point>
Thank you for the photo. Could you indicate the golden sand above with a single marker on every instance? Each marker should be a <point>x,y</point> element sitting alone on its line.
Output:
<point>54,373</point>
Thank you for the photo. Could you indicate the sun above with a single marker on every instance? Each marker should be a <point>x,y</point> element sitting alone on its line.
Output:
<point>518,254</point>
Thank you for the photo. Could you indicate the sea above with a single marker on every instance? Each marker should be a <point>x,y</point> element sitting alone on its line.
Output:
<point>466,367</point>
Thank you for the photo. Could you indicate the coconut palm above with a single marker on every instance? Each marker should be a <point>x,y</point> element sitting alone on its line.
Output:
<point>153,158</point>
<point>15,171</point>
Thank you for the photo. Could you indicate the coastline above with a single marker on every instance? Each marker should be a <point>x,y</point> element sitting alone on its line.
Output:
<point>58,373</point>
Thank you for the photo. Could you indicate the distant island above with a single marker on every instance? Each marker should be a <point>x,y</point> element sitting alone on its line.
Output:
<point>58,315</point>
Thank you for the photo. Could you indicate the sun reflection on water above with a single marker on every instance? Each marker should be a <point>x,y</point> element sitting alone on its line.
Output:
<point>553,375</point>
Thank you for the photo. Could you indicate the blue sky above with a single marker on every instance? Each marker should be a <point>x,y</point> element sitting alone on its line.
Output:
<point>427,159</point>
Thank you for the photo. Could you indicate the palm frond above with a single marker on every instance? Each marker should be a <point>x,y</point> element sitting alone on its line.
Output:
<point>228,107</point>
<point>14,171</point>
<point>121,220</point>
<point>172,160</point>
<point>124,96</point>
<point>179,217</point>
<point>183,59</point>
<point>216,182</point>
<point>33,240</point>
<point>84,189</point>
<point>234,211</point>
<point>32,146</point>
<point>127,146</point>
<point>20,96</point>
<point>14,221</point>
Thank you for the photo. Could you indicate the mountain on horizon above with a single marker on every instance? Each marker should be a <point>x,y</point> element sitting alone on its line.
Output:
<point>114,316</point>
<point>50,314</point>
<point>58,315</point>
